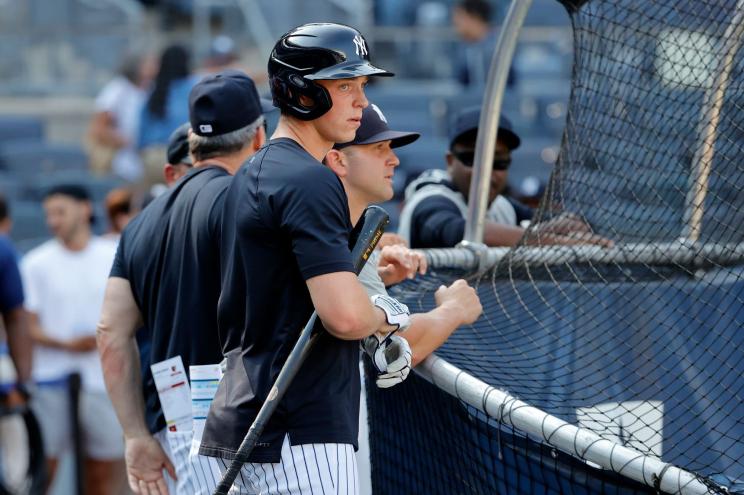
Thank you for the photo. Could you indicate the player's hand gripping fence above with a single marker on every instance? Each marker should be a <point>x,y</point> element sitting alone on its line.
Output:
<point>367,233</point>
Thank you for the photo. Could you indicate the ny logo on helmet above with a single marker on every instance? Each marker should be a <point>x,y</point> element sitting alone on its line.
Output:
<point>360,46</point>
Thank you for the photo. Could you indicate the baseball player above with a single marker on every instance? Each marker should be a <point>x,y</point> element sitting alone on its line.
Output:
<point>437,201</point>
<point>166,273</point>
<point>366,166</point>
<point>285,250</point>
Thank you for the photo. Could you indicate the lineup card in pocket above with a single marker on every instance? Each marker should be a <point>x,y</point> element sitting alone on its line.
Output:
<point>204,382</point>
<point>173,390</point>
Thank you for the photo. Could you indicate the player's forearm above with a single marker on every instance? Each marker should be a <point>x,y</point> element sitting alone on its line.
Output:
<point>120,360</point>
<point>121,372</point>
<point>497,234</point>
<point>20,343</point>
<point>430,330</point>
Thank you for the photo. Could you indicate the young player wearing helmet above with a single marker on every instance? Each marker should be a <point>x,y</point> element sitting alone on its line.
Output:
<point>284,250</point>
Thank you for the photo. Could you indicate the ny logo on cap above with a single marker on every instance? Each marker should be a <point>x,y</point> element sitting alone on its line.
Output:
<point>360,46</point>
<point>379,112</point>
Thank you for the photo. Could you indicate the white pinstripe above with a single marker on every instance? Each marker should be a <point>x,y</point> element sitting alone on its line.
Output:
<point>303,469</point>
<point>197,475</point>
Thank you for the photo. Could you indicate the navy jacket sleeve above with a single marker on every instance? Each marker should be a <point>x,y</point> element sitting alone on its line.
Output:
<point>436,223</point>
<point>315,214</point>
<point>523,211</point>
<point>11,288</point>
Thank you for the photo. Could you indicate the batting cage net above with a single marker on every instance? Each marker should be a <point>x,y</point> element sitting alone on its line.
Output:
<point>616,368</point>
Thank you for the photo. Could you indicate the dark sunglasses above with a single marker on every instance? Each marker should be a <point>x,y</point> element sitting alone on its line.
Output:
<point>467,158</point>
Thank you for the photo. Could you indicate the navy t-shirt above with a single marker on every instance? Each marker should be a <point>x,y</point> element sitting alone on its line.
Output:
<point>170,255</point>
<point>11,289</point>
<point>437,222</point>
<point>286,221</point>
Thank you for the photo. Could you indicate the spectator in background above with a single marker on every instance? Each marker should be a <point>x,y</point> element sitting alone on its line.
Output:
<point>14,317</point>
<point>179,159</point>
<point>64,280</point>
<point>114,127</point>
<point>471,20</point>
<point>120,210</point>
<point>165,109</point>
<point>223,54</point>
<point>436,203</point>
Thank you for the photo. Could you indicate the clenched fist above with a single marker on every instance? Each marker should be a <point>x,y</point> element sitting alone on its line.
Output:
<point>460,298</point>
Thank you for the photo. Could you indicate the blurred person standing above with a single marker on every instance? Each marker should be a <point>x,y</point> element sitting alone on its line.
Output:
<point>120,209</point>
<point>167,274</point>
<point>15,386</point>
<point>65,280</point>
<point>13,390</point>
<point>165,109</point>
<point>471,20</point>
<point>112,136</point>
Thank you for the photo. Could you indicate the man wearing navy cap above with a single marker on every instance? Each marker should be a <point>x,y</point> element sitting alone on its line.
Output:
<point>167,274</point>
<point>179,160</point>
<point>436,203</point>
<point>366,167</point>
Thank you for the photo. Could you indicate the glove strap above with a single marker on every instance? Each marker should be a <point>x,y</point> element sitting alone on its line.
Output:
<point>396,313</point>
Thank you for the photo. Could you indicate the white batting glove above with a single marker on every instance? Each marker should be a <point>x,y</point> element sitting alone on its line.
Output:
<point>392,358</point>
<point>396,313</point>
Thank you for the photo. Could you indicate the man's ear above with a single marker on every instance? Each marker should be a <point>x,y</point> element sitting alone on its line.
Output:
<point>169,173</point>
<point>259,139</point>
<point>449,157</point>
<point>336,161</point>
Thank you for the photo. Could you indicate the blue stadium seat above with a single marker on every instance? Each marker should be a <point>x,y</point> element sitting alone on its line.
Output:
<point>32,158</point>
<point>11,187</point>
<point>422,155</point>
<point>25,245</point>
<point>29,220</point>
<point>13,128</point>
<point>98,187</point>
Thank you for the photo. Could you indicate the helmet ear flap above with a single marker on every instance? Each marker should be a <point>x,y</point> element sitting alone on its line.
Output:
<point>289,87</point>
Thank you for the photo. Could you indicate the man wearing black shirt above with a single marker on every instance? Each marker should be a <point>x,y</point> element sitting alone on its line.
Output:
<point>284,251</point>
<point>166,274</point>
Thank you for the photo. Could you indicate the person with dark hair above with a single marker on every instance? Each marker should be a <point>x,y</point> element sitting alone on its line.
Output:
<point>165,109</point>
<point>114,128</point>
<point>167,274</point>
<point>472,22</point>
<point>64,280</point>
<point>436,203</point>
<point>120,210</point>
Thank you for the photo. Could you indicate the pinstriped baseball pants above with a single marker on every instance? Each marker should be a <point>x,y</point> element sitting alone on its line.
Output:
<point>197,474</point>
<point>312,469</point>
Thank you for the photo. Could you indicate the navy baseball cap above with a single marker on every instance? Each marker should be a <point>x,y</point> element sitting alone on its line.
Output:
<point>223,102</point>
<point>178,146</point>
<point>374,128</point>
<point>466,123</point>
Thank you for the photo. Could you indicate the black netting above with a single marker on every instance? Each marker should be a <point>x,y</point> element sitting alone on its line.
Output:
<point>640,344</point>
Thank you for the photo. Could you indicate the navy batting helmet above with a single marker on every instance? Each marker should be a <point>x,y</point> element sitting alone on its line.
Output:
<point>311,52</point>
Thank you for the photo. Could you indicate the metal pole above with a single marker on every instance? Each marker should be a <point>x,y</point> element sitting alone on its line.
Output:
<point>489,120</point>
<point>712,106</point>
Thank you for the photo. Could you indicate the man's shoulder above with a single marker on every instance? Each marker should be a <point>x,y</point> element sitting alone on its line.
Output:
<point>44,253</point>
<point>6,247</point>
